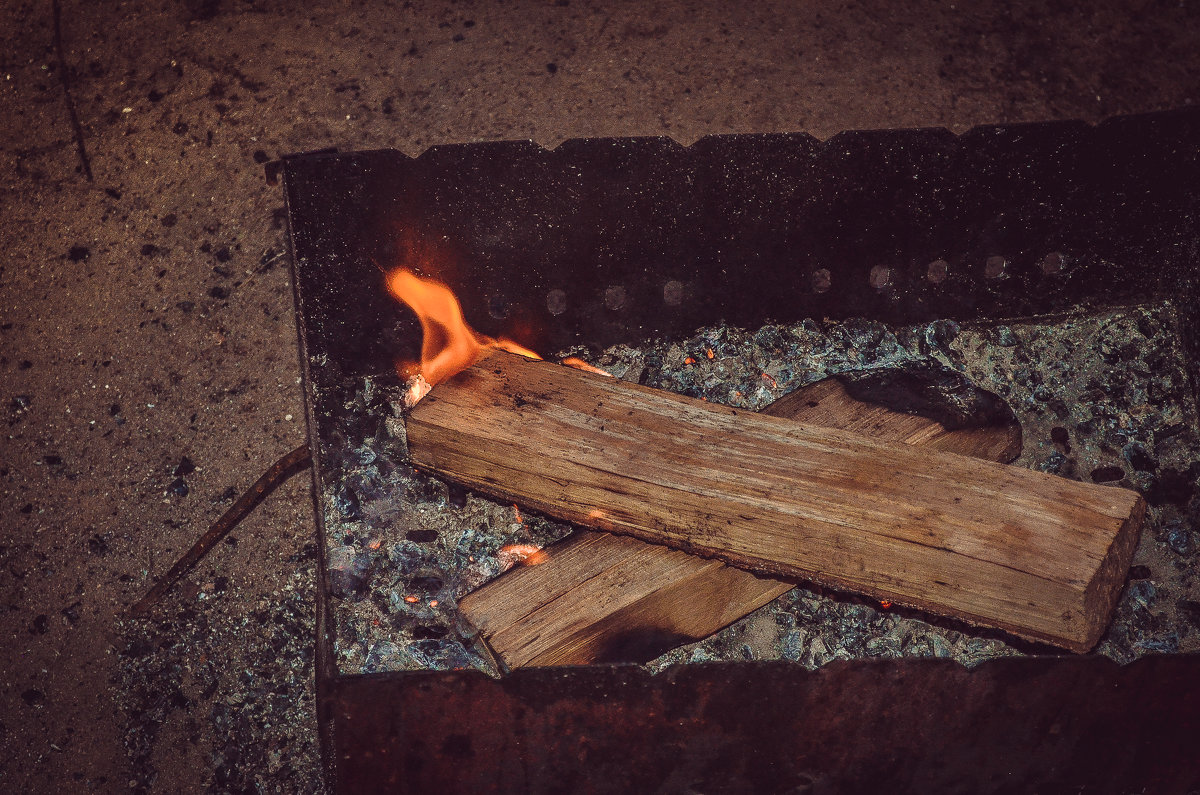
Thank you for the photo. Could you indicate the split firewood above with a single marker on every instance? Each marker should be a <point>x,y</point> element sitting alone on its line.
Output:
<point>1033,554</point>
<point>598,597</point>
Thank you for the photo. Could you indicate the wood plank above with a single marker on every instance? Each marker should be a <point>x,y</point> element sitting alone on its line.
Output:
<point>598,597</point>
<point>1030,553</point>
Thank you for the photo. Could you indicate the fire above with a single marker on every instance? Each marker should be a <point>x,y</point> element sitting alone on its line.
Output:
<point>580,364</point>
<point>448,344</point>
<point>525,554</point>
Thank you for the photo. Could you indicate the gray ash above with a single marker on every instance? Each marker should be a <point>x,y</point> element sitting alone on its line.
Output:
<point>1101,396</point>
<point>249,674</point>
<point>402,549</point>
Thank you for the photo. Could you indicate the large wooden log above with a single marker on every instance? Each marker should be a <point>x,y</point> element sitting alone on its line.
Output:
<point>1033,554</point>
<point>598,597</point>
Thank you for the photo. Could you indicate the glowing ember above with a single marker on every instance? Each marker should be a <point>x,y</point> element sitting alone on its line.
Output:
<point>885,604</point>
<point>525,554</point>
<point>512,347</point>
<point>580,364</point>
<point>448,344</point>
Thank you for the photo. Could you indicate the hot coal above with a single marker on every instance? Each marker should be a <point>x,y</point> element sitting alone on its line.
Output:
<point>1104,395</point>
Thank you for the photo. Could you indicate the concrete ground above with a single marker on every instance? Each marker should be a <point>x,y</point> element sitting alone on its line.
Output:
<point>148,364</point>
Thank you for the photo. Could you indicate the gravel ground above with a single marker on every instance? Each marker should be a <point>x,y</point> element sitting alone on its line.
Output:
<point>148,370</point>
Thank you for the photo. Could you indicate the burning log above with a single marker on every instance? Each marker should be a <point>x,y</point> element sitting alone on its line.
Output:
<point>598,597</point>
<point>1033,554</point>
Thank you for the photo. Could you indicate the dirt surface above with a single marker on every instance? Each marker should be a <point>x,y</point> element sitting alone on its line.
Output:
<point>148,369</point>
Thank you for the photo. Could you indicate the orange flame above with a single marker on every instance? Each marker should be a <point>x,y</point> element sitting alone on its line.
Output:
<point>580,364</point>
<point>448,344</point>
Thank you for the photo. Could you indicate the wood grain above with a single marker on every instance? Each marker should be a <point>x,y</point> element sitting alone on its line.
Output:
<point>1033,554</point>
<point>598,597</point>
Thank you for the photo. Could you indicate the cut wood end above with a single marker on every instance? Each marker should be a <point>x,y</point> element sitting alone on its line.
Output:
<point>1100,598</point>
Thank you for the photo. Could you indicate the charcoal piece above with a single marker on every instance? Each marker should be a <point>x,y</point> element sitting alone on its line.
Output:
<point>349,574</point>
<point>1173,486</point>
<point>422,488</point>
<point>1142,594</point>
<point>347,585</point>
<point>425,583</point>
<point>427,632</point>
<point>456,495</point>
<point>1190,610</point>
<point>940,333</point>
<point>932,391</point>
<point>1109,474</point>
<point>1180,538</point>
<point>1139,459</point>
<point>1054,463</point>
<point>347,504</point>
<point>385,656</point>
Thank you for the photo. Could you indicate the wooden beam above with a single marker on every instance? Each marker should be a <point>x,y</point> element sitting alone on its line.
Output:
<point>598,597</point>
<point>1030,553</point>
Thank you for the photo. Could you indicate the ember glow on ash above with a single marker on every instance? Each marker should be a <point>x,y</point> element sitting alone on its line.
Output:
<point>448,344</point>
<point>524,554</point>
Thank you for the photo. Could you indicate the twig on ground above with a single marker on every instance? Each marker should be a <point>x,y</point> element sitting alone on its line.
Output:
<point>64,77</point>
<point>295,461</point>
